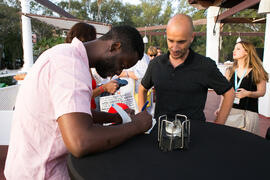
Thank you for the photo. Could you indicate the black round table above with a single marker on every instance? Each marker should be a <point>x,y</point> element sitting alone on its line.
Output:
<point>216,152</point>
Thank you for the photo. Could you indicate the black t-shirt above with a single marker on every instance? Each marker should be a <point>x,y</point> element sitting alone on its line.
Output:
<point>183,90</point>
<point>246,103</point>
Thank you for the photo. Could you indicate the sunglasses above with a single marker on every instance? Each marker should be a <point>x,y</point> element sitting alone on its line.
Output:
<point>152,55</point>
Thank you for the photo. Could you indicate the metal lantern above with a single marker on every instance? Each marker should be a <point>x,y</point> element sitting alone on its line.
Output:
<point>173,134</point>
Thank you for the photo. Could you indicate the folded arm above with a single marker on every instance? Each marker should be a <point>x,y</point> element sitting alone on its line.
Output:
<point>261,88</point>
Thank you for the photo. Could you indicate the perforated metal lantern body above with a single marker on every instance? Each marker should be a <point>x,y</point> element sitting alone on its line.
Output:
<point>174,134</point>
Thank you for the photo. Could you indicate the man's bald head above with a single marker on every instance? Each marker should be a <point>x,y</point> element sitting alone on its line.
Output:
<point>179,37</point>
<point>181,22</point>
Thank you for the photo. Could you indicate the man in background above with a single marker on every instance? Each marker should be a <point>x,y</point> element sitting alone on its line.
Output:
<point>159,51</point>
<point>182,77</point>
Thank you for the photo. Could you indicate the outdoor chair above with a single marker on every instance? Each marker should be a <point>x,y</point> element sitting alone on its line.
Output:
<point>7,102</point>
<point>8,97</point>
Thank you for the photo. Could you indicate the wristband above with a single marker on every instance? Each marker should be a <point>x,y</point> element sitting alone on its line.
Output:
<point>125,117</point>
<point>101,89</point>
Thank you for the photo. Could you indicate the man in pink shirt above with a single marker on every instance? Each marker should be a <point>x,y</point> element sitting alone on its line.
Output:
<point>53,116</point>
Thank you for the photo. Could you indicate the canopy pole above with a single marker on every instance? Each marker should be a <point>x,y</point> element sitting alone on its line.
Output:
<point>264,102</point>
<point>26,37</point>
<point>213,34</point>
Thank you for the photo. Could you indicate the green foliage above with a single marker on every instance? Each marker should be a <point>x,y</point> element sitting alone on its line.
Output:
<point>168,12</point>
<point>129,15</point>
<point>185,8</point>
<point>199,43</point>
<point>13,3</point>
<point>228,42</point>
<point>7,81</point>
<point>115,12</point>
<point>46,43</point>
<point>154,12</point>
<point>10,35</point>
<point>36,7</point>
<point>42,30</point>
<point>79,9</point>
<point>150,13</point>
<point>109,11</point>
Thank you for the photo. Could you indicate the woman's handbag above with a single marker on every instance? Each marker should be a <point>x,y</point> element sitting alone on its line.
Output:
<point>237,118</point>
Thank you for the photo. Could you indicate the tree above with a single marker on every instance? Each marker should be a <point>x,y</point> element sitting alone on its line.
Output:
<point>199,43</point>
<point>228,42</point>
<point>45,43</point>
<point>128,15</point>
<point>76,8</point>
<point>168,12</point>
<point>110,11</point>
<point>10,35</point>
<point>154,13</point>
<point>185,8</point>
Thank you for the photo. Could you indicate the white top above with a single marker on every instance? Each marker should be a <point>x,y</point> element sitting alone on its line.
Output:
<point>139,70</point>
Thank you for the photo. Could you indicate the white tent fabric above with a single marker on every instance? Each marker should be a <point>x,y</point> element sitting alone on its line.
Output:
<point>67,23</point>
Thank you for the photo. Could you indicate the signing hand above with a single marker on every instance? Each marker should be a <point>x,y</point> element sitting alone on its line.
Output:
<point>142,120</point>
<point>130,112</point>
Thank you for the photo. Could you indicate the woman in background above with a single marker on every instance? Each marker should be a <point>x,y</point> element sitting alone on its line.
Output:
<point>152,52</point>
<point>249,81</point>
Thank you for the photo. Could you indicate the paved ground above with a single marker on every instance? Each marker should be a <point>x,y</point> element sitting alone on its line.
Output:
<point>3,154</point>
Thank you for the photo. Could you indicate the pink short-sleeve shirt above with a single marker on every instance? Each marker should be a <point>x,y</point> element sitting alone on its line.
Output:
<point>58,83</point>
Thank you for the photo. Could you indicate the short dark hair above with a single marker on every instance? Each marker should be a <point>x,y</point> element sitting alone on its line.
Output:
<point>128,36</point>
<point>83,31</point>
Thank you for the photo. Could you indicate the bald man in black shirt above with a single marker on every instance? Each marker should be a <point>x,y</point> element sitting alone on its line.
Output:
<point>182,77</point>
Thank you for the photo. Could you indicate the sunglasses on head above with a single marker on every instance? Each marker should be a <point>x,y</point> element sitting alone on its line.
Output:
<point>152,55</point>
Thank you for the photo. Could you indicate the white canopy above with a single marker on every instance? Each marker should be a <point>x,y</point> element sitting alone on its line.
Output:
<point>67,23</point>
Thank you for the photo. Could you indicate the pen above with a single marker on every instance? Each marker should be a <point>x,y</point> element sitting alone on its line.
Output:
<point>144,106</point>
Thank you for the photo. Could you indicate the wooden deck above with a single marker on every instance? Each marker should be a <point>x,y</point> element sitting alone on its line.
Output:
<point>211,105</point>
<point>3,154</point>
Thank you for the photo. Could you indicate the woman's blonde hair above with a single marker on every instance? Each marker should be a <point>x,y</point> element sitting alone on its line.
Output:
<point>252,61</point>
<point>152,50</point>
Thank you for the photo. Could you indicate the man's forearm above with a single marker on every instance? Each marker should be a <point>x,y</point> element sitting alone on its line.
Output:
<point>226,106</point>
<point>82,137</point>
